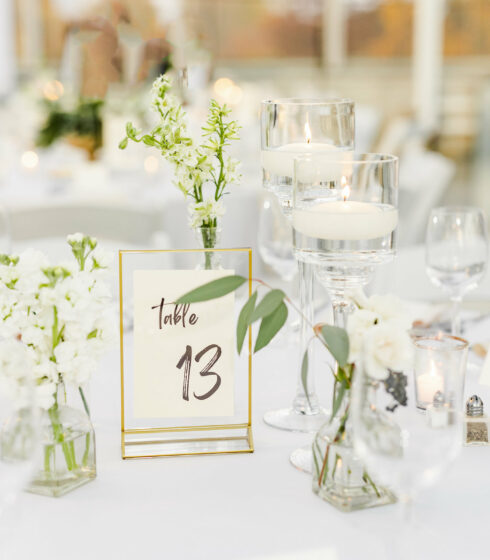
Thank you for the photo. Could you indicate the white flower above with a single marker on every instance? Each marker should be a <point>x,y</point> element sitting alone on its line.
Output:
<point>389,307</point>
<point>75,238</point>
<point>386,346</point>
<point>205,212</point>
<point>61,318</point>
<point>358,325</point>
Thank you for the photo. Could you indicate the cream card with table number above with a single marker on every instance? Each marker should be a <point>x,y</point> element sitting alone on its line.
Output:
<point>185,389</point>
<point>183,354</point>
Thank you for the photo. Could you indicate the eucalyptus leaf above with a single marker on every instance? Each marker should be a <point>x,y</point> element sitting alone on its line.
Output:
<point>270,326</point>
<point>270,302</point>
<point>212,290</point>
<point>337,342</point>
<point>244,321</point>
<point>304,375</point>
<point>339,395</point>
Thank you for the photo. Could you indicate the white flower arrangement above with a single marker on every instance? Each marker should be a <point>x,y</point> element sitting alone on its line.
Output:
<point>378,335</point>
<point>56,320</point>
<point>196,166</point>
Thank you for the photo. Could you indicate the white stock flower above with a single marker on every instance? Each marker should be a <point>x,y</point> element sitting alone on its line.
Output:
<point>386,346</point>
<point>206,211</point>
<point>75,238</point>
<point>61,316</point>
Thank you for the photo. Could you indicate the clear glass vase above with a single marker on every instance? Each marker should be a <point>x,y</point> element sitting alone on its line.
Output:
<point>209,238</point>
<point>68,458</point>
<point>339,477</point>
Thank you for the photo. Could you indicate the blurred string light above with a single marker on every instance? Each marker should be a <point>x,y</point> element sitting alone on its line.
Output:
<point>151,164</point>
<point>29,159</point>
<point>227,91</point>
<point>53,90</point>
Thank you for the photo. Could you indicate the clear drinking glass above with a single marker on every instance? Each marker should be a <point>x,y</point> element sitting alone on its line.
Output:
<point>406,447</point>
<point>344,221</point>
<point>456,253</point>
<point>290,127</point>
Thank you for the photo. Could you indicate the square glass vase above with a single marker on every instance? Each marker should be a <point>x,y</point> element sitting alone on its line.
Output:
<point>67,459</point>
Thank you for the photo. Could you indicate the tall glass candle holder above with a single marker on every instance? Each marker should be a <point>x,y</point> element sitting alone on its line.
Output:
<point>344,220</point>
<point>290,127</point>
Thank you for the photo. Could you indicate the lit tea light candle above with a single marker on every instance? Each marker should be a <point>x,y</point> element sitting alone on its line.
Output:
<point>428,384</point>
<point>345,219</point>
<point>280,161</point>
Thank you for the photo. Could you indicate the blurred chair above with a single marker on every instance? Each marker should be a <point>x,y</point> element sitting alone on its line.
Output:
<point>114,223</point>
<point>423,179</point>
<point>368,121</point>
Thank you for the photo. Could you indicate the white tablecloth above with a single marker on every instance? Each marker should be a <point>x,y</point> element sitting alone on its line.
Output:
<point>251,506</point>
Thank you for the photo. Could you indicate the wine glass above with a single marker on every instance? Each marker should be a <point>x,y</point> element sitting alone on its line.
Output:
<point>407,428</point>
<point>456,253</point>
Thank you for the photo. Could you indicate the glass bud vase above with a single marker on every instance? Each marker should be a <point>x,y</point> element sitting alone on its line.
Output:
<point>339,477</point>
<point>67,460</point>
<point>209,238</point>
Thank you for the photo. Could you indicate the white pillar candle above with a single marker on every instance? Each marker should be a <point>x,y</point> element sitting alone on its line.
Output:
<point>280,161</point>
<point>346,220</point>
<point>427,386</point>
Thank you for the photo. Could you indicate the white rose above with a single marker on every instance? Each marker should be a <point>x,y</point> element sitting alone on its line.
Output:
<point>386,346</point>
<point>389,307</point>
<point>358,325</point>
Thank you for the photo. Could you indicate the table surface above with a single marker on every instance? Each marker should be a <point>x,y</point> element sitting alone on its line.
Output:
<point>243,506</point>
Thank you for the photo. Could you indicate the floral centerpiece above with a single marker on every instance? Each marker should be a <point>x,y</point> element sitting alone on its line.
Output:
<point>79,123</point>
<point>56,321</point>
<point>376,340</point>
<point>203,171</point>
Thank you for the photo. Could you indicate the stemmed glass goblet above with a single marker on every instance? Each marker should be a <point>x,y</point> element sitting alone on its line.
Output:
<point>456,253</point>
<point>344,221</point>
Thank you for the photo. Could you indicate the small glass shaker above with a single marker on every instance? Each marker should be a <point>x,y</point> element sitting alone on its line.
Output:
<point>476,424</point>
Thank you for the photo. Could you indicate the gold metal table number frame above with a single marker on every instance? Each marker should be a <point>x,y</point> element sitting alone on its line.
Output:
<point>158,437</point>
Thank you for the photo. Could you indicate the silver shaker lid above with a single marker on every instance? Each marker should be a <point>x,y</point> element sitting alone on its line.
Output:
<point>474,406</point>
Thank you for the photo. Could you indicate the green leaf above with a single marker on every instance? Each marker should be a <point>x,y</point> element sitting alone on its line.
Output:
<point>123,143</point>
<point>304,375</point>
<point>337,342</point>
<point>212,290</point>
<point>244,321</point>
<point>270,326</point>
<point>339,395</point>
<point>270,302</point>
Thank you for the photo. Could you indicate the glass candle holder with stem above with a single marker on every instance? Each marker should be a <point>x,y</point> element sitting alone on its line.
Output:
<point>456,253</point>
<point>344,221</point>
<point>290,127</point>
